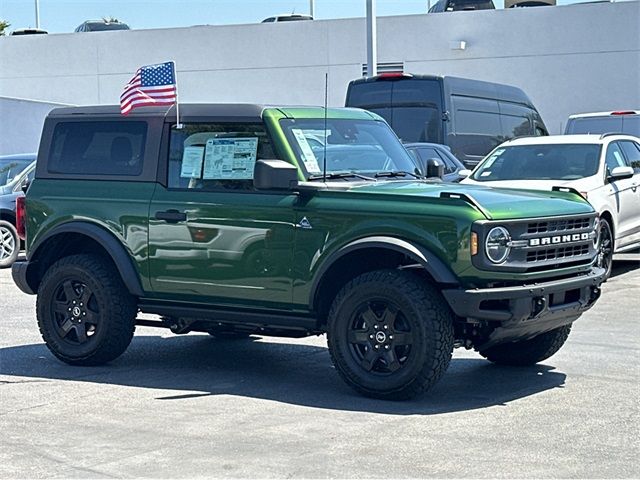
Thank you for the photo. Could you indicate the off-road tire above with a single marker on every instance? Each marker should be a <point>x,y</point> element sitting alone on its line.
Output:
<point>528,352</point>
<point>107,303</point>
<point>9,244</point>
<point>421,314</point>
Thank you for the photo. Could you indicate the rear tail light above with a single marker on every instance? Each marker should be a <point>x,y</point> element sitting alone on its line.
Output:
<point>393,76</point>
<point>21,217</point>
<point>624,112</point>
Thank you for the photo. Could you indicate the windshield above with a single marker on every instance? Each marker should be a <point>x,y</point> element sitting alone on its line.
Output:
<point>366,147</point>
<point>539,162</point>
<point>11,168</point>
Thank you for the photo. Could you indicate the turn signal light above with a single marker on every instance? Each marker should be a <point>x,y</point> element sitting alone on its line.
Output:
<point>474,243</point>
<point>21,217</point>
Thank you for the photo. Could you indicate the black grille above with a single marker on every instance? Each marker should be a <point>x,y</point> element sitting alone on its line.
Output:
<point>557,253</point>
<point>559,225</point>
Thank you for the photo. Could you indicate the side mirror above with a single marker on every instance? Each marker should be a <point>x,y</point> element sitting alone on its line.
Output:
<point>25,185</point>
<point>274,175</point>
<point>435,168</point>
<point>464,173</point>
<point>620,173</point>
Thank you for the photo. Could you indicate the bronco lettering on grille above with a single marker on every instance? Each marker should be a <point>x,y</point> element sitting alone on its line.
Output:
<point>575,237</point>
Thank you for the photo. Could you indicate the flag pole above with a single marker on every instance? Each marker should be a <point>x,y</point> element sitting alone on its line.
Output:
<point>175,77</point>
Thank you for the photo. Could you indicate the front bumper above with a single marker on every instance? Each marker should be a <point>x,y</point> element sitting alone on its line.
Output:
<point>525,311</point>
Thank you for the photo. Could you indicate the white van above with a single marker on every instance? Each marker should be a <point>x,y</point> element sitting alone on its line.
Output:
<point>622,121</point>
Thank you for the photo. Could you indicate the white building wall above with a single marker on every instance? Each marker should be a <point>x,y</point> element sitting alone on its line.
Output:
<point>21,124</point>
<point>569,59</point>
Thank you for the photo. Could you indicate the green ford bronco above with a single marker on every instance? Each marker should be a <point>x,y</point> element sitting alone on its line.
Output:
<point>245,219</point>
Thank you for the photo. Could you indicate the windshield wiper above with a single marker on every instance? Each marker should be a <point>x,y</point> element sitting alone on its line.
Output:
<point>335,175</point>
<point>396,173</point>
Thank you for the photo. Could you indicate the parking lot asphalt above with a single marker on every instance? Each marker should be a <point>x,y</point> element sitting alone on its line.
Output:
<point>193,406</point>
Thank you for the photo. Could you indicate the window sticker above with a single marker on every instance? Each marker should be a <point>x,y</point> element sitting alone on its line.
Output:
<point>486,173</point>
<point>493,158</point>
<point>308,157</point>
<point>230,158</point>
<point>192,162</point>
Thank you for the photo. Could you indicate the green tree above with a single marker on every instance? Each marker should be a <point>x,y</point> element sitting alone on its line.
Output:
<point>3,26</point>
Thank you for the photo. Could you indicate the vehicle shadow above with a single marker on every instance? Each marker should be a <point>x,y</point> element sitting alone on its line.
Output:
<point>198,366</point>
<point>624,263</point>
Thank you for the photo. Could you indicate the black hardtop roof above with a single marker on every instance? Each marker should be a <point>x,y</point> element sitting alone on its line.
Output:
<point>241,110</point>
<point>463,86</point>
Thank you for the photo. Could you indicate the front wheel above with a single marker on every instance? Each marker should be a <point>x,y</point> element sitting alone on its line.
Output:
<point>85,313</point>
<point>9,244</point>
<point>605,247</point>
<point>528,352</point>
<point>390,334</point>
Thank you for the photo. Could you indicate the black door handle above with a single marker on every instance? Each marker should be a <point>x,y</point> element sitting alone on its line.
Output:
<point>171,216</point>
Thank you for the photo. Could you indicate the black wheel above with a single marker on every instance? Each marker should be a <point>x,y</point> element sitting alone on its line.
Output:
<point>9,244</point>
<point>390,334</point>
<point>85,314</point>
<point>605,247</point>
<point>528,352</point>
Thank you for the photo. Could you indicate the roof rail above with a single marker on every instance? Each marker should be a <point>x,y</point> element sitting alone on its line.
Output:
<point>608,134</point>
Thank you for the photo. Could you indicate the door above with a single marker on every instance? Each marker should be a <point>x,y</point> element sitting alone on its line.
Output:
<point>212,236</point>
<point>631,151</point>
<point>622,195</point>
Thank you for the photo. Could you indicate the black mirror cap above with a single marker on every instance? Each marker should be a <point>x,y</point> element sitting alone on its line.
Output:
<point>274,175</point>
<point>25,185</point>
<point>435,168</point>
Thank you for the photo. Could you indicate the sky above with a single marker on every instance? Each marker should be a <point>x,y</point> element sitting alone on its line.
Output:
<point>59,16</point>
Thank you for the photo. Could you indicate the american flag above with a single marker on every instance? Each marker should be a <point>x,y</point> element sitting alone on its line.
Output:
<point>151,85</point>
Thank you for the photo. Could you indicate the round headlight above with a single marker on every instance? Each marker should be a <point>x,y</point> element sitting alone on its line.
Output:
<point>496,245</point>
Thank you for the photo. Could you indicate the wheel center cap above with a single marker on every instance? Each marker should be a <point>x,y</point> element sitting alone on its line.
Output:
<point>381,337</point>
<point>76,311</point>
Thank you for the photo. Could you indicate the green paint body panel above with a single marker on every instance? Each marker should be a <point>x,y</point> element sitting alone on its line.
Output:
<point>239,248</point>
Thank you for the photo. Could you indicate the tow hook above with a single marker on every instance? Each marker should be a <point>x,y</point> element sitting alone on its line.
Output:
<point>595,293</point>
<point>539,305</point>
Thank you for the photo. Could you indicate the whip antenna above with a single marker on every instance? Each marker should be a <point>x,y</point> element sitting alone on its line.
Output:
<point>324,157</point>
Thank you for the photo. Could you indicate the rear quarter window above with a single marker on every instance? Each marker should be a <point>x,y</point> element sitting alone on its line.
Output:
<point>98,148</point>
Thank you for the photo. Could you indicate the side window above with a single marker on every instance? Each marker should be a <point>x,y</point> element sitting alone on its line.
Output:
<point>632,152</point>
<point>614,157</point>
<point>98,148</point>
<point>515,126</point>
<point>216,156</point>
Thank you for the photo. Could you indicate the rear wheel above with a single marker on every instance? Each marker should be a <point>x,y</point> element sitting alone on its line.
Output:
<point>390,334</point>
<point>85,313</point>
<point>528,352</point>
<point>9,244</point>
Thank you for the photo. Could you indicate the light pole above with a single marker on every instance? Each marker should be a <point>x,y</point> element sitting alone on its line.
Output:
<point>37,13</point>
<point>312,8</point>
<point>372,49</point>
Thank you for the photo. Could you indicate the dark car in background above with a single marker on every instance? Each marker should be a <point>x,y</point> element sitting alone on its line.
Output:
<point>461,5</point>
<point>620,121</point>
<point>15,170</point>
<point>101,26</point>
<point>423,152</point>
<point>470,116</point>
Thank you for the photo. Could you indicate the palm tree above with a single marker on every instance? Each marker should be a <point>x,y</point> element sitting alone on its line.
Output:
<point>3,26</point>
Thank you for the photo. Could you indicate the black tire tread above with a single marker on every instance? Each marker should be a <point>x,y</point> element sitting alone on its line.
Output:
<point>528,352</point>
<point>122,311</point>
<point>440,327</point>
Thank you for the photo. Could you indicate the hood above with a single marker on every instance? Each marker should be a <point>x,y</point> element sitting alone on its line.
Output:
<point>494,203</point>
<point>581,184</point>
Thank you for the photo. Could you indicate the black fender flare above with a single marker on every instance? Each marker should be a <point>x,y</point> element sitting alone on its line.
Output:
<point>118,253</point>
<point>440,272</point>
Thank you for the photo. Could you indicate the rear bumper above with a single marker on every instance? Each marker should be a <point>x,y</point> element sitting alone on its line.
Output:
<point>525,311</point>
<point>19,274</point>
